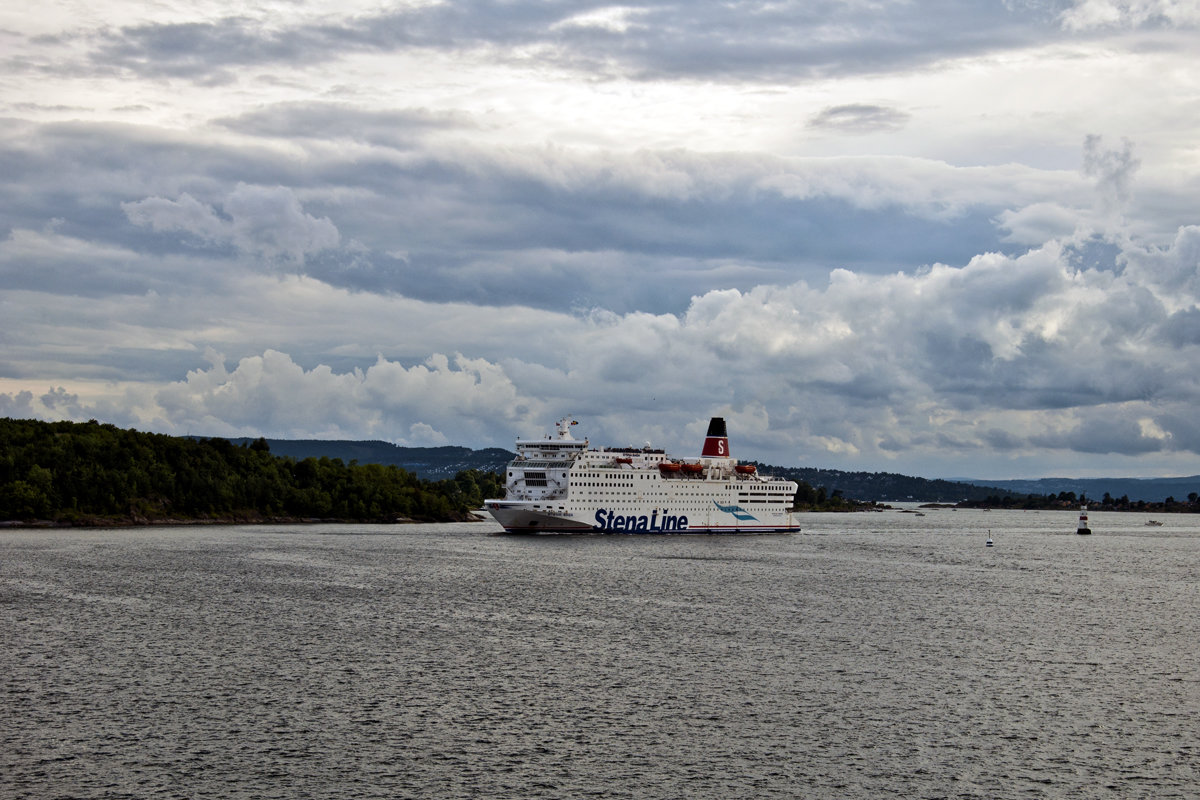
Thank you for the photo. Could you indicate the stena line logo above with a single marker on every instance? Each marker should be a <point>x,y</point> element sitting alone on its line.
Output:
<point>634,523</point>
<point>737,511</point>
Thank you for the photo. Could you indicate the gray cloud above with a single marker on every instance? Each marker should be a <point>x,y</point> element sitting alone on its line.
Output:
<point>460,259</point>
<point>658,39</point>
<point>1091,14</point>
<point>208,51</point>
<point>17,405</point>
<point>859,118</point>
<point>1104,432</point>
<point>644,231</point>
<point>943,362</point>
<point>336,121</point>
<point>1112,170</point>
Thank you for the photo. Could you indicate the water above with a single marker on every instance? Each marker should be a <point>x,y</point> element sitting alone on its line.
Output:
<point>873,655</point>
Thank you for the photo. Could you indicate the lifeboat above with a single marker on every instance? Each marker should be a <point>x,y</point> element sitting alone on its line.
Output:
<point>623,460</point>
<point>692,469</point>
<point>668,467</point>
<point>745,469</point>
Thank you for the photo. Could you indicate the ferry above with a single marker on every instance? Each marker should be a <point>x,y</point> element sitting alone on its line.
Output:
<point>558,484</point>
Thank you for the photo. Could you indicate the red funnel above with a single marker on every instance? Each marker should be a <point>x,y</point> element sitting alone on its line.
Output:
<point>716,441</point>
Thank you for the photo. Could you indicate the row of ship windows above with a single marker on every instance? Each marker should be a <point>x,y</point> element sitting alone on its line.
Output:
<point>575,482</point>
<point>608,487</point>
<point>614,485</point>
<point>681,505</point>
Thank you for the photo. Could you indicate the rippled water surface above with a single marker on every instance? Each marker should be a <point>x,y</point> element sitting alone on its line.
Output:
<point>873,655</point>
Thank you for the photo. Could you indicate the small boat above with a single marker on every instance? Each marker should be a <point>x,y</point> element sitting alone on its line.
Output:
<point>623,460</point>
<point>745,469</point>
<point>1083,529</point>
<point>693,469</point>
<point>1153,523</point>
<point>669,467</point>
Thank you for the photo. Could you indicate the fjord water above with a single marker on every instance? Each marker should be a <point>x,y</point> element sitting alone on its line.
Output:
<point>873,655</point>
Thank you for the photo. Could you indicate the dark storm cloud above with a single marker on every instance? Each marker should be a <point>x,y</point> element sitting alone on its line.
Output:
<point>653,40</point>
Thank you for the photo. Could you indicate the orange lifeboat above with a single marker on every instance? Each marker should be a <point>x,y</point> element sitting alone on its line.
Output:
<point>693,469</point>
<point>745,469</point>
<point>623,460</point>
<point>668,467</point>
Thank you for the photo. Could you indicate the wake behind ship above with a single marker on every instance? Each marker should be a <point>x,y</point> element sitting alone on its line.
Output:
<point>557,484</point>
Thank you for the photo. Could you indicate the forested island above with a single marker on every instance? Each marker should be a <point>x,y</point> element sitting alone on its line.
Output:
<point>70,473</point>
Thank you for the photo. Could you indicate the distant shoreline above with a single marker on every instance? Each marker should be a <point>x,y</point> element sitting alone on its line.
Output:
<point>126,522</point>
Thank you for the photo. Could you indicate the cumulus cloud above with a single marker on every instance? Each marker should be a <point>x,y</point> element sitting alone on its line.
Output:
<point>263,221</point>
<point>60,398</point>
<point>56,403</point>
<point>1172,273</point>
<point>18,405</point>
<point>186,215</point>
<point>269,394</point>
<point>1038,223</point>
<point>270,221</point>
<point>1028,356</point>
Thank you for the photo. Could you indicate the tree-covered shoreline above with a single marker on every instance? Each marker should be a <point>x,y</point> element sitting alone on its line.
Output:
<point>1065,501</point>
<point>93,474</point>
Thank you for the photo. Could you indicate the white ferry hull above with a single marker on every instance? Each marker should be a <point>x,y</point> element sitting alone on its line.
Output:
<point>517,517</point>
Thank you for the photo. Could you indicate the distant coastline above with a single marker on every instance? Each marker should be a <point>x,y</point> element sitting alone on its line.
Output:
<point>93,475</point>
<point>168,522</point>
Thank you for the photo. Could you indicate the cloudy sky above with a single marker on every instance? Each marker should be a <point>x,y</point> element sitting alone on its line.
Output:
<point>919,236</point>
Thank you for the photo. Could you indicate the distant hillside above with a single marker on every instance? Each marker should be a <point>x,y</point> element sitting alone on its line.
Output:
<point>435,463</point>
<point>884,486</point>
<point>1151,490</point>
<point>429,463</point>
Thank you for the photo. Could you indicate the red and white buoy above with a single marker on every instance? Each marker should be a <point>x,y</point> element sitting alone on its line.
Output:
<point>1083,528</point>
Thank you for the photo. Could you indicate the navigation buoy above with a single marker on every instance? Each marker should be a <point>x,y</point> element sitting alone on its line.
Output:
<point>988,543</point>
<point>1083,529</point>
